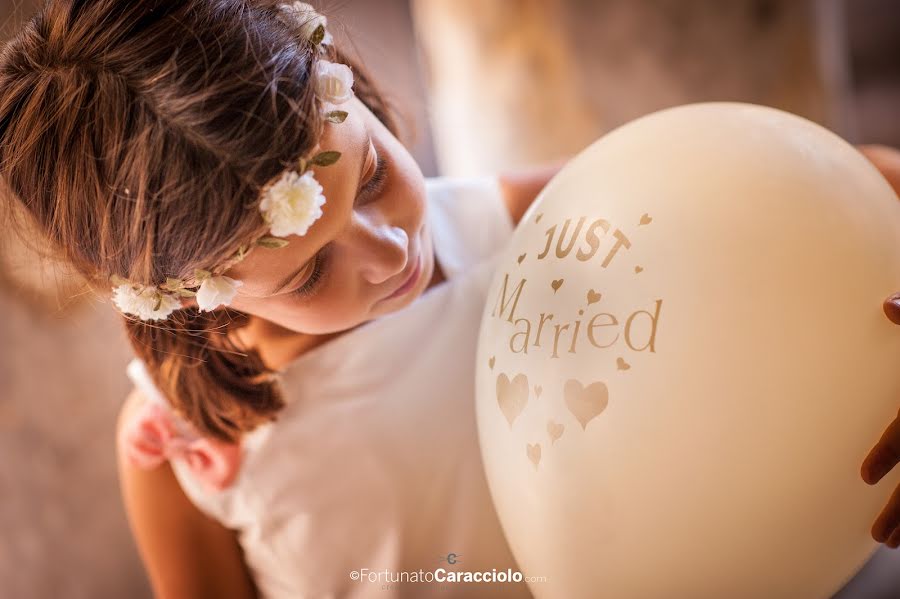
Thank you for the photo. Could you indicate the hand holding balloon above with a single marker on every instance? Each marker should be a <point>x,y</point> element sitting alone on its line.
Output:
<point>886,453</point>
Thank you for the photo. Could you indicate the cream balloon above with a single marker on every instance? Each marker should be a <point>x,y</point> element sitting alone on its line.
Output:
<point>683,361</point>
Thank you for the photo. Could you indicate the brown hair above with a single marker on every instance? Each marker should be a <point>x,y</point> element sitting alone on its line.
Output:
<point>136,136</point>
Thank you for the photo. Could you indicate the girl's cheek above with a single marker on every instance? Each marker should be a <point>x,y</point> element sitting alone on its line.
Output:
<point>333,309</point>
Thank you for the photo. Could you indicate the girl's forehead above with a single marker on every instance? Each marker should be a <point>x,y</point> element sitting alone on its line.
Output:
<point>263,269</point>
<point>350,138</point>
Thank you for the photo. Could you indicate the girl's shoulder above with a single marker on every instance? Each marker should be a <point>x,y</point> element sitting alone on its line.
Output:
<point>150,433</point>
<point>469,220</point>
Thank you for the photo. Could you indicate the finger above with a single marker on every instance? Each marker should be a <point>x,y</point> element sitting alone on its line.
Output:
<point>889,518</point>
<point>884,455</point>
<point>894,540</point>
<point>887,161</point>
<point>892,308</point>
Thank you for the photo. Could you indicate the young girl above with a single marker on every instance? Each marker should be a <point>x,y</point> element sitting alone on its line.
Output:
<point>303,304</point>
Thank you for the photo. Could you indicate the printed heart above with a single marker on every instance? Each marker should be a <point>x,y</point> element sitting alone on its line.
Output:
<point>537,218</point>
<point>646,220</point>
<point>522,257</point>
<point>538,390</point>
<point>492,361</point>
<point>585,403</point>
<point>556,284</point>
<point>555,430</point>
<point>638,269</point>
<point>622,364</point>
<point>593,297</point>
<point>512,395</point>
<point>534,453</point>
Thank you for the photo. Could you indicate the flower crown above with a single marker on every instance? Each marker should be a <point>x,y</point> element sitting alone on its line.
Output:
<point>289,205</point>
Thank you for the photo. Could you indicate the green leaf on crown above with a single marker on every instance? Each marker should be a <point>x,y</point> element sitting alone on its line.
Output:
<point>318,35</point>
<point>272,243</point>
<point>172,284</point>
<point>325,158</point>
<point>336,116</point>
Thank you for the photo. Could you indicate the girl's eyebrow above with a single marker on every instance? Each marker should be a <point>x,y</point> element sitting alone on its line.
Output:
<point>364,154</point>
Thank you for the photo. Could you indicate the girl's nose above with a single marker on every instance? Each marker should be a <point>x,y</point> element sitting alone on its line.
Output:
<point>382,250</point>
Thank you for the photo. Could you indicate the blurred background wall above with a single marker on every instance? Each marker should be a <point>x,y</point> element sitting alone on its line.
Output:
<point>483,85</point>
<point>519,81</point>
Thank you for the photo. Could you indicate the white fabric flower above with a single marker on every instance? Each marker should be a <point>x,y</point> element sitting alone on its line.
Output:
<point>142,302</point>
<point>292,204</point>
<point>334,81</point>
<point>216,291</point>
<point>304,16</point>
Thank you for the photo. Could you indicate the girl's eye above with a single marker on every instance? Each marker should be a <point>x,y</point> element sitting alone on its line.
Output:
<point>376,181</point>
<point>315,278</point>
<point>371,189</point>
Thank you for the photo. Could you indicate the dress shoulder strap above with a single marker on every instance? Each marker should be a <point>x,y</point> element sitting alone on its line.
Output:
<point>137,372</point>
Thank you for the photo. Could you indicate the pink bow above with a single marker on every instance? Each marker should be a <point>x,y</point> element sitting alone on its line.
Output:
<point>153,434</point>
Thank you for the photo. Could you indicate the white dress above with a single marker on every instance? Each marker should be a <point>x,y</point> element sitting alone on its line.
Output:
<point>374,463</point>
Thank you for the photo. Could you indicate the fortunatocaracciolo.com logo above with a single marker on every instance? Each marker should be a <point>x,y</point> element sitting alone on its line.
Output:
<point>442,575</point>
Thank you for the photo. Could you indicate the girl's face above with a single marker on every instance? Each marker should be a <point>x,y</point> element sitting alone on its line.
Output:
<point>369,253</point>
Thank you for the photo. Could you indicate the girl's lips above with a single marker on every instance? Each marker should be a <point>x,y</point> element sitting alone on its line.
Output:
<point>411,281</point>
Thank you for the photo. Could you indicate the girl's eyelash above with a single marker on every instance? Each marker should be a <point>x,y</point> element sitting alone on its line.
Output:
<point>372,186</point>
<point>309,287</point>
